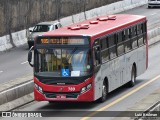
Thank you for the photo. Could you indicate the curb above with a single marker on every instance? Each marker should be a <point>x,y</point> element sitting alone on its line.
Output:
<point>16,92</point>
<point>17,102</point>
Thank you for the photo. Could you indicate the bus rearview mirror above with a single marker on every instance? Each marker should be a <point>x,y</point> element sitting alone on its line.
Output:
<point>30,56</point>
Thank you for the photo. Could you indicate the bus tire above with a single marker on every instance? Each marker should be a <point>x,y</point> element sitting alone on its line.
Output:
<point>133,77</point>
<point>104,93</point>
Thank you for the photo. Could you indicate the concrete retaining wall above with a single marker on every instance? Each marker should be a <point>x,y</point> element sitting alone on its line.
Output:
<point>19,38</point>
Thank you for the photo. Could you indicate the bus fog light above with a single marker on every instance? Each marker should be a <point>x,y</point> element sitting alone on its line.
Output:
<point>40,89</point>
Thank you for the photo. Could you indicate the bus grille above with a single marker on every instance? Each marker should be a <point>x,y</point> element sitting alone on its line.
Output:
<point>68,95</point>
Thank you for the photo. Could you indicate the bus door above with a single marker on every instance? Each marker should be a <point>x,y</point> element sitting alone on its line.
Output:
<point>97,70</point>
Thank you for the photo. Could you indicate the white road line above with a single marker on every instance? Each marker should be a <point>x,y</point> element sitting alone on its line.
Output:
<point>1,71</point>
<point>154,14</point>
<point>24,62</point>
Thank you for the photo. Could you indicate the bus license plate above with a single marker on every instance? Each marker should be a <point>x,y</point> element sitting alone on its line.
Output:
<point>61,96</point>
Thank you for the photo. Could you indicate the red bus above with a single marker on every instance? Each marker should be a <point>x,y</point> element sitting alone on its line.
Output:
<point>87,60</point>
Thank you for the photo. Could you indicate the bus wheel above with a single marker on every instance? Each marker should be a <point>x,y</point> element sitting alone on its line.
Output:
<point>104,93</point>
<point>133,78</point>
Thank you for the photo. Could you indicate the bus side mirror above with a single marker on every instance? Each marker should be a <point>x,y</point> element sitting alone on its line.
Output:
<point>30,56</point>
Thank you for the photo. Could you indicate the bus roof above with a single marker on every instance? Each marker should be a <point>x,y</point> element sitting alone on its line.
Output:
<point>98,26</point>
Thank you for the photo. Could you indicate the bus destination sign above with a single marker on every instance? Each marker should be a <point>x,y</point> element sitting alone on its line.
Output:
<point>64,40</point>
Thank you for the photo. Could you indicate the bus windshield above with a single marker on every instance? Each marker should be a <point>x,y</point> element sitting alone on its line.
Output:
<point>63,62</point>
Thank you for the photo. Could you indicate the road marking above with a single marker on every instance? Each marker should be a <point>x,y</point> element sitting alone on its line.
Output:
<point>1,71</point>
<point>24,62</point>
<point>154,14</point>
<point>119,99</point>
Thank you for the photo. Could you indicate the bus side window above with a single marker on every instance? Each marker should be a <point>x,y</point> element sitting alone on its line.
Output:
<point>120,43</point>
<point>97,55</point>
<point>104,49</point>
<point>127,40</point>
<point>97,59</point>
<point>56,26</point>
<point>134,37</point>
<point>112,46</point>
<point>144,32</point>
<point>140,36</point>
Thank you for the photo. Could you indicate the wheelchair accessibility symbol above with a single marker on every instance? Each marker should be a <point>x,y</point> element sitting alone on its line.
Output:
<point>65,72</point>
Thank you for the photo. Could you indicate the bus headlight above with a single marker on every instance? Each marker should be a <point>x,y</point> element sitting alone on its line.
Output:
<point>89,86</point>
<point>38,88</point>
<point>85,88</point>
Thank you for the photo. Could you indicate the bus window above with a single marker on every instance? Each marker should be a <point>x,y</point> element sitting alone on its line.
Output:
<point>104,49</point>
<point>103,43</point>
<point>127,40</point>
<point>144,32</point>
<point>97,55</point>
<point>56,26</point>
<point>97,52</point>
<point>126,34</point>
<point>112,46</point>
<point>140,37</point>
<point>134,36</point>
<point>55,60</point>
<point>120,44</point>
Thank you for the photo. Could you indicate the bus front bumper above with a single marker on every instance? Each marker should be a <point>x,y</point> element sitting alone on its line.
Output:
<point>62,97</point>
<point>83,92</point>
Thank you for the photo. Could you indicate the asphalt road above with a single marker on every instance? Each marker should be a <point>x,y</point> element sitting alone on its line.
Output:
<point>13,64</point>
<point>118,100</point>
